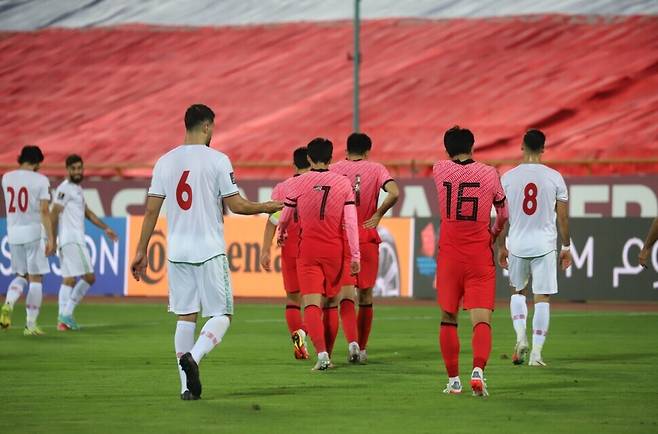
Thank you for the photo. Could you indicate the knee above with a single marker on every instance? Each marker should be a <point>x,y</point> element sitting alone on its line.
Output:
<point>90,278</point>
<point>542,298</point>
<point>68,281</point>
<point>365,296</point>
<point>448,317</point>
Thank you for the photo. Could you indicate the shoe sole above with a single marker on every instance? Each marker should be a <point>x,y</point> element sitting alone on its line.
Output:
<point>354,359</point>
<point>188,396</point>
<point>191,370</point>
<point>300,348</point>
<point>520,358</point>
<point>478,388</point>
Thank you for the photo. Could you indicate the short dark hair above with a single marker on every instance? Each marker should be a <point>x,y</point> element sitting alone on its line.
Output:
<point>534,140</point>
<point>196,114</point>
<point>358,143</point>
<point>30,155</point>
<point>72,159</point>
<point>320,150</point>
<point>458,141</point>
<point>299,158</point>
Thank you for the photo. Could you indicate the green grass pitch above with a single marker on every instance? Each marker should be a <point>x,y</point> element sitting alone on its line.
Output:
<point>118,374</point>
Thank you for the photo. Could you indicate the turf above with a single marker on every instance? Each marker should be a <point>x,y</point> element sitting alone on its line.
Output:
<point>118,374</point>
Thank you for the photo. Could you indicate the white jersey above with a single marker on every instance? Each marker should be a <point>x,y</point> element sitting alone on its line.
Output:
<point>71,228</point>
<point>24,190</point>
<point>193,178</point>
<point>532,191</point>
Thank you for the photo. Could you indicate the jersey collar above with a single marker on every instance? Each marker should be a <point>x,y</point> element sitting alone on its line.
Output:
<point>465,162</point>
<point>319,170</point>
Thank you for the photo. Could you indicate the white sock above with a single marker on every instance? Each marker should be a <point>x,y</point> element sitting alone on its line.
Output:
<point>15,290</point>
<point>64,296</point>
<point>33,303</point>
<point>183,343</point>
<point>519,311</point>
<point>77,294</point>
<point>540,325</point>
<point>211,335</point>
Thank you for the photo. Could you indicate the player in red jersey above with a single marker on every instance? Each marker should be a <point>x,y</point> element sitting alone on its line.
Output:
<point>367,179</point>
<point>465,264</point>
<point>324,202</point>
<point>288,257</point>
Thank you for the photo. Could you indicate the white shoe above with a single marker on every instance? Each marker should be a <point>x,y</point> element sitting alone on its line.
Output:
<point>535,359</point>
<point>453,387</point>
<point>353,352</point>
<point>520,353</point>
<point>363,357</point>
<point>323,362</point>
<point>478,383</point>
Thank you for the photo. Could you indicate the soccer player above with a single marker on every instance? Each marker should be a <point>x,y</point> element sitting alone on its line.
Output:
<point>466,273</point>
<point>652,236</point>
<point>73,254</point>
<point>288,257</point>
<point>536,194</point>
<point>367,179</point>
<point>195,178</point>
<point>324,202</point>
<point>26,201</point>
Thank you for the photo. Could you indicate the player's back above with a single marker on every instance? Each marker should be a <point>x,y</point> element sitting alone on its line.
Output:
<point>320,197</point>
<point>279,193</point>
<point>367,179</point>
<point>194,178</point>
<point>466,191</point>
<point>24,189</point>
<point>532,191</point>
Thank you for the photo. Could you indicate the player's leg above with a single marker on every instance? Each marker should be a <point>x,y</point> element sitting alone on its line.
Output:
<point>37,266</point>
<point>449,294</point>
<point>311,283</point>
<point>544,284</point>
<point>348,319</point>
<point>78,263</point>
<point>519,269</point>
<point>17,285</point>
<point>68,282</point>
<point>365,282</point>
<point>183,343</point>
<point>293,307</point>
<point>330,321</point>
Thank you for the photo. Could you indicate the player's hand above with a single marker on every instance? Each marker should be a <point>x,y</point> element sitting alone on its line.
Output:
<point>111,234</point>
<point>280,240</point>
<point>272,206</point>
<point>266,260</point>
<point>355,267</point>
<point>643,257</point>
<point>372,222</point>
<point>51,246</point>
<point>138,266</point>
<point>565,259</point>
<point>503,254</point>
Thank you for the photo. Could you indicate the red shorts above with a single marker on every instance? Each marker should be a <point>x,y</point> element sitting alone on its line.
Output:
<point>369,267</point>
<point>289,272</point>
<point>475,284</point>
<point>319,275</point>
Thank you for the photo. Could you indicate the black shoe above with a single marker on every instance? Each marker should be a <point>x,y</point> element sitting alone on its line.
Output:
<point>191,370</point>
<point>187,396</point>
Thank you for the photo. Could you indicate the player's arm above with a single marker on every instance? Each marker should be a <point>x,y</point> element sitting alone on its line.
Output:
<point>239,205</point>
<point>652,236</point>
<point>268,235</point>
<point>562,210</point>
<point>502,216</point>
<point>350,222</point>
<point>503,253</point>
<point>48,226</point>
<point>92,217</point>
<point>153,205</point>
<point>392,195</point>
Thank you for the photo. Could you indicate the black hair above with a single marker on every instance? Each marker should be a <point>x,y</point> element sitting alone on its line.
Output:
<point>30,155</point>
<point>458,141</point>
<point>299,158</point>
<point>358,143</point>
<point>196,114</point>
<point>320,150</point>
<point>534,140</point>
<point>72,159</point>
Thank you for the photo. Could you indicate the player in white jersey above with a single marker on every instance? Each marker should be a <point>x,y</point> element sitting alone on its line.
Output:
<point>68,215</point>
<point>536,195</point>
<point>196,180</point>
<point>30,236</point>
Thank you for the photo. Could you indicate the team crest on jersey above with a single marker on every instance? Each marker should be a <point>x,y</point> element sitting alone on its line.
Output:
<point>232,175</point>
<point>60,196</point>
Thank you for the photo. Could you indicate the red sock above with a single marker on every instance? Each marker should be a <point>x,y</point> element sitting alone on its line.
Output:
<point>348,317</point>
<point>449,341</point>
<point>364,324</point>
<point>481,344</point>
<point>330,320</point>
<point>293,318</point>
<point>313,317</point>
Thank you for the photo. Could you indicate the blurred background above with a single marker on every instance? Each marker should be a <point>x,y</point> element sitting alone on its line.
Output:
<point>111,79</point>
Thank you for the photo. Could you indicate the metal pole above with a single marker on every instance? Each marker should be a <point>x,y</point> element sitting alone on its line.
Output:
<point>357,63</point>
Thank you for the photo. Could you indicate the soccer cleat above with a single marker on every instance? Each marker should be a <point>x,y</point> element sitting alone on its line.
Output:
<point>323,362</point>
<point>299,343</point>
<point>33,331</point>
<point>61,327</point>
<point>363,357</point>
<point>535,359</point>
<point>189,396</point>
<point>520,353</point>
<point>353,352</point>
<point>478,383</point>
<point>453,387</point>
<point>69,322</point>
<point>5,316</point>
<point>191,369</point>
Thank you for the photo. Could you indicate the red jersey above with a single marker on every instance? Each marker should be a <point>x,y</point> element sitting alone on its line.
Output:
<point>324,202</point>
<point>367,179</point>
<point>466,191</point>
<point>291,246</point>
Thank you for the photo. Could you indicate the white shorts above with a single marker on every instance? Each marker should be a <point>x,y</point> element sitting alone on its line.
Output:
<point>29,258</point>
<point>202,288</point>
<point>543,270</point>
<point>74,260</point>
